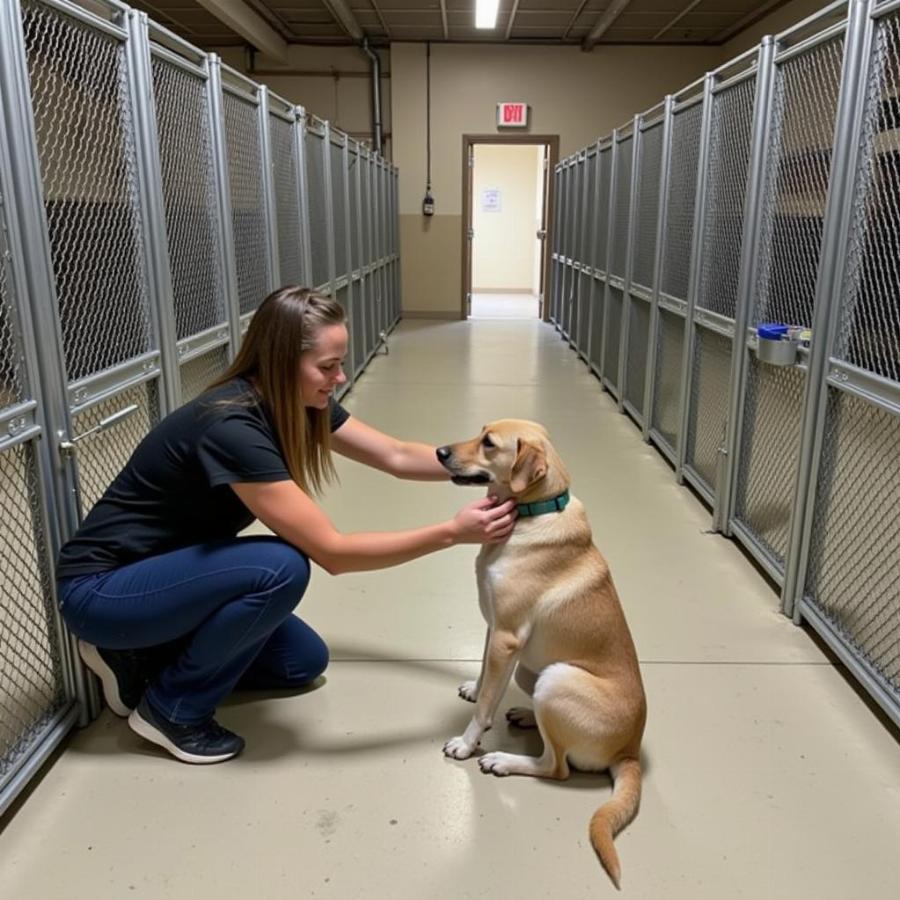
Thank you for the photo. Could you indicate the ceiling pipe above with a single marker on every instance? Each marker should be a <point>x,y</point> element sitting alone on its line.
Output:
<point>512,18</point>
<point>669,25</point>
<point>376,94</point>
<point>250,25</point>
<point>344,15</point>
<point>615,9</point>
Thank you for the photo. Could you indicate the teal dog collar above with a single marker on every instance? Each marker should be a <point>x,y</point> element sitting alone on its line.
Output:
<point>555,504</point>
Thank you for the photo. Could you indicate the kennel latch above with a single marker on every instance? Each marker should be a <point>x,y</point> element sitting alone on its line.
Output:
<point>68,447</point>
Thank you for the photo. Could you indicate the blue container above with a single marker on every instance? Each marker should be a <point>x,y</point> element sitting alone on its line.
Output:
<point>771,331</point>
<point>774,344</point>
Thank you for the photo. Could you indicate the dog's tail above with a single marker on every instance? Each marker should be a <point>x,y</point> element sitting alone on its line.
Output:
<point>615,814</point>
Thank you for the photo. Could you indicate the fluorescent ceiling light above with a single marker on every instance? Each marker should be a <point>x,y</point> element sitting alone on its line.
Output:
<point>486,13</point>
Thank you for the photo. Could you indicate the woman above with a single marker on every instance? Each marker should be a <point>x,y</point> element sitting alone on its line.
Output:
<point>171,608</point>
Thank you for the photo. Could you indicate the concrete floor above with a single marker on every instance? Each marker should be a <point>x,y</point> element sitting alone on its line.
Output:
<point>504,306</point>
<point>766,776</point>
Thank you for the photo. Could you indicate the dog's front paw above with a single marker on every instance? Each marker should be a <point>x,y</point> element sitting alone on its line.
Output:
<point>468,690</point>
<point>496,763</point>
<point>458,748</point>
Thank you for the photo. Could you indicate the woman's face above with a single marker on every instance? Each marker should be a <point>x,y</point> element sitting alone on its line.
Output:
<point>321,368</point>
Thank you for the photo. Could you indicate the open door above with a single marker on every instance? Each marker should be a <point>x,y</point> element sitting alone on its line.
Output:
<point>550,143</point>
<point>470,229</point>
<point>542,233</point>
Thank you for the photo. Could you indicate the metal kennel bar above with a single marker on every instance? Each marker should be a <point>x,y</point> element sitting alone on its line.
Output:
<point>734,125</point>
<point>224,207</point>
<point>246,147</point>
<point>568,213</point>
<point>189,255</point>
<point>357,258</point>
<point>340,206</point>
<point>599,229</point>
<point>376,279</point>
<point>700,219</point>
<point>556,254</point>
<point>621,204</point>
<point>601,248</point>
<point>573,184</point>
<point>627,250</point>
<point>370,286</point>
<point>284,164</point>
<point>585,253</point>
<point>577,239</point>
<point>657,261</point>
<point>650,135</point>
<point>676,249</point>
<point>575,192</point>
<point>319,232</point>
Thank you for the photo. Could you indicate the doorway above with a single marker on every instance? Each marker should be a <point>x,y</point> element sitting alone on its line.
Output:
<point>506,203</point>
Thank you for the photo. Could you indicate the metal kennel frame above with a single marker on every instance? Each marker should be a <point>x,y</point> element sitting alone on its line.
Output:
<point>767,191</point>
<point>150,198</point>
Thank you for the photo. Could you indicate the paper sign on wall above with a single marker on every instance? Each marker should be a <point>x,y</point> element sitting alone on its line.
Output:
<point>490,200</point>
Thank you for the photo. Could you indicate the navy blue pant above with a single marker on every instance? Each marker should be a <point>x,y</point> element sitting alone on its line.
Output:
<point>223,610</point>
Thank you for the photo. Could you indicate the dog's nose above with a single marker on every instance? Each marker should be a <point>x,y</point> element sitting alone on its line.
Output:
<point>444,453</point>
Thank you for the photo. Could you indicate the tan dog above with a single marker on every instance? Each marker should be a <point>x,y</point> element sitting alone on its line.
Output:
<point>554,617</point>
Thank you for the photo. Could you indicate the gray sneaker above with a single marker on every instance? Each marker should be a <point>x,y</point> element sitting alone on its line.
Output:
<point>208,742</point>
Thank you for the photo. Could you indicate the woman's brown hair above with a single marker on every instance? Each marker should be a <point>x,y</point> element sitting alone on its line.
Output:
<point>286,324</point>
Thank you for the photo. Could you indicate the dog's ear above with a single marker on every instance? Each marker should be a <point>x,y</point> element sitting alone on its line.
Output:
<point>530,466</point>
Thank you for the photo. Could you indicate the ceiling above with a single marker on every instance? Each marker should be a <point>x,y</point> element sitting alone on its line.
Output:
<point>700,22</point>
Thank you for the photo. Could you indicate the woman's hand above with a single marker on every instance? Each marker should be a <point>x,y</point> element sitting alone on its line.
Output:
<point>484,521</point>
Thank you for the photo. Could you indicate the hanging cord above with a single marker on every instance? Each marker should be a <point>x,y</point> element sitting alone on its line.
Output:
<point>428,114</point>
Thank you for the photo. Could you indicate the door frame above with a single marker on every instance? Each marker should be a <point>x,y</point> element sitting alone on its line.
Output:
<point>469,141</point>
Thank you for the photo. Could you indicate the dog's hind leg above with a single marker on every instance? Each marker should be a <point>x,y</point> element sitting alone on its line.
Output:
<point>550,764</point>
<point>568,709</point>
<point>522,716</point>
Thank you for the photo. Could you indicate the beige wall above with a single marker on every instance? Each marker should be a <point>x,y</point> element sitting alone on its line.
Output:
<point>334,83</point>
<point>578,96</point>
<point>506,246</point>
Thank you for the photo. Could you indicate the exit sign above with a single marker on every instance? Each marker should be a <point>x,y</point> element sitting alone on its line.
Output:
<point>512,115</point>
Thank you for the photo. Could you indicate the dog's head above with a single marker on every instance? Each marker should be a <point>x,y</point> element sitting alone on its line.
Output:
<point>513,454</point>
